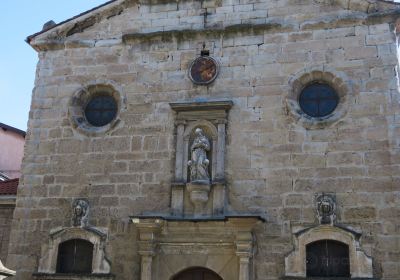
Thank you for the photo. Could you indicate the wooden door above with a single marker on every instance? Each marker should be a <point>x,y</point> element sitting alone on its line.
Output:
<point>197,273</point>
<point>327,258</point>
<point>75,256</point>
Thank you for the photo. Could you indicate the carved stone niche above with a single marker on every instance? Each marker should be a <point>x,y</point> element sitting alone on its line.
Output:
<point>200,158</point>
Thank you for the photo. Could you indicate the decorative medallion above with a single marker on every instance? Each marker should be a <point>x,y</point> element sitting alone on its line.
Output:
<point>203,70</point>
<point>326,208</point>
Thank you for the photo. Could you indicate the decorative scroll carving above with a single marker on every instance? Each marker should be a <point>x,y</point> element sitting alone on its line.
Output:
<point>80,213</point>
<point>326,208</point>
<point>199,163</point>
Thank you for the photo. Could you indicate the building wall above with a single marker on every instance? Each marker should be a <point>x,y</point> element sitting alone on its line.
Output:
<point>274,164</point>
<point>6,215</point>
<point>11,151</point>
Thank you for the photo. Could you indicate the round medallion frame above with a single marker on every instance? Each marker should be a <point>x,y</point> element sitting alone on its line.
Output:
<point>203,70</point>
<point>80,99</point>
<point>338,81</point>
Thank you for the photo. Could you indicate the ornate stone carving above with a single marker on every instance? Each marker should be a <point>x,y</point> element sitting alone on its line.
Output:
<point>326,208</point>
<point>199,163</point>
<point>200,157</point>
<point>80,213</point>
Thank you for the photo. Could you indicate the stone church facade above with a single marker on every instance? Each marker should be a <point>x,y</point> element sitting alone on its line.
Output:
<point>251,139</point>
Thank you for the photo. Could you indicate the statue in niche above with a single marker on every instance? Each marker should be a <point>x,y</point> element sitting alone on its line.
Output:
<point>80,213</point>
<point>199,163</point>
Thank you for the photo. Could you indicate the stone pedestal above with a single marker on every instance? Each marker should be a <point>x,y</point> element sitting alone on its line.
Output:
<point>198,193</point>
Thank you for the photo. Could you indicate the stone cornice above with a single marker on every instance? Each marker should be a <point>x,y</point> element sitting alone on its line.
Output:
<point>250,29</point>
<point>201,105</point>
<point>115,7</point>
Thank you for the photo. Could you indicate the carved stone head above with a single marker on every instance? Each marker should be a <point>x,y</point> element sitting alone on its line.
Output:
<point>326,208</point>
<point>80,213</point>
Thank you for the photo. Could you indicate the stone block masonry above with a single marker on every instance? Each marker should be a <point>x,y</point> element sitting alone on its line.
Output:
<point>275,159</point>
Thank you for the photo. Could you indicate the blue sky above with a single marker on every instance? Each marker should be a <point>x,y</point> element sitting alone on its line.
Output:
<point>19,19</point>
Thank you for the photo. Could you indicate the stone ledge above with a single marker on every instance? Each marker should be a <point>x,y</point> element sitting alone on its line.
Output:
<point>201,105</point>
<point>254,29</point>
<point>223,218</point>
<point>67,276</point>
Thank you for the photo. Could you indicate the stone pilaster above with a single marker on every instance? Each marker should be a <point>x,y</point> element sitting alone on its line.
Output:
<point>244,250</point>
<point>148,230</point>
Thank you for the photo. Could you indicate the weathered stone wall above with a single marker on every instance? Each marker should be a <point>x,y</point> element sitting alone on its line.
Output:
<point>6,215</point>
<point>274,164</point>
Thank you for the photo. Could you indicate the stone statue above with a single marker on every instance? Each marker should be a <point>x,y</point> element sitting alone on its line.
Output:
<point>80,213</point>
<point>326,209</point>
<point>199,163</point>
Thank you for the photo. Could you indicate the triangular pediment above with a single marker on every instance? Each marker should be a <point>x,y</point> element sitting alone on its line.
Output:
<point>108,23</point>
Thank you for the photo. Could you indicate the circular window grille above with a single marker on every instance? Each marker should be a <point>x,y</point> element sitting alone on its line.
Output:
<point>96,108</point>
<point>101,110</point>
<point>318,100</point>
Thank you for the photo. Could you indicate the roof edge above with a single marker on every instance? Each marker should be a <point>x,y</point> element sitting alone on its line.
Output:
<point>30,37</point>
<point>380,3</point>
<point>13,129</point>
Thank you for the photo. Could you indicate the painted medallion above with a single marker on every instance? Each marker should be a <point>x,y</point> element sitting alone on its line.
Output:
<point>203,70</point>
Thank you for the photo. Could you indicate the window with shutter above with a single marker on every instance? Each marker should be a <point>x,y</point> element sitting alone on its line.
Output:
<point>327,258</point>
<point>75,256</point>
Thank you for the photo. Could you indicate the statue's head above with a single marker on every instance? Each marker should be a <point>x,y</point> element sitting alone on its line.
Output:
<point>78,210</point>
<point>198,131</point>
<point>80,207</point>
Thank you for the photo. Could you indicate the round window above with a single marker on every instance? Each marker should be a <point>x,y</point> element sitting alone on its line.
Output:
<point>101,110</point>
<point>318,100</point>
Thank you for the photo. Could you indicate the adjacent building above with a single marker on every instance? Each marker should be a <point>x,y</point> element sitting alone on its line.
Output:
<point>12,141</point>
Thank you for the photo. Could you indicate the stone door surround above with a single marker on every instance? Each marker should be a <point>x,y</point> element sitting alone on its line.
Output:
<point>168,247</point>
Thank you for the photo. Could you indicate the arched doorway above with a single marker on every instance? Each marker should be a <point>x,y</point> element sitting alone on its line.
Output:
<point>197,273</point>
